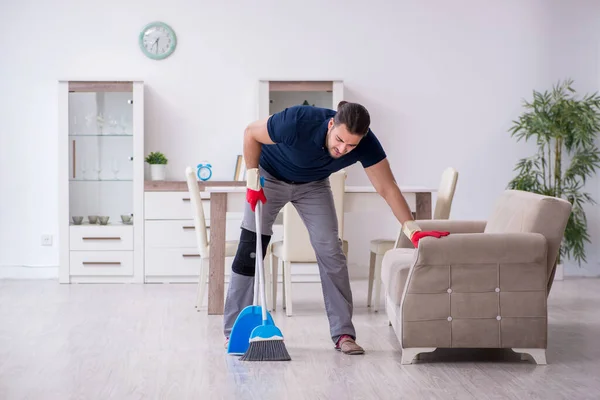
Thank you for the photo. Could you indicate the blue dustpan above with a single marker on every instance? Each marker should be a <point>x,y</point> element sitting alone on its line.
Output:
<point>247,321</point>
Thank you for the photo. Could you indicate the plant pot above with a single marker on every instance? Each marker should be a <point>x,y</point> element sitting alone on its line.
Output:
<point>158,172</point>
<point>559,273</point>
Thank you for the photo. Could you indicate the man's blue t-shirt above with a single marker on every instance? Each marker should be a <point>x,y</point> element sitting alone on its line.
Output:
<point>300,154</point>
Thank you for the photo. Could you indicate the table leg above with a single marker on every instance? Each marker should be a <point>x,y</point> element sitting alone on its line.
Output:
<point>424,205</point>
<point>216,269</point>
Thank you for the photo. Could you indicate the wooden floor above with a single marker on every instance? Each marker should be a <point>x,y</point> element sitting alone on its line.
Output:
<point>148,342</point>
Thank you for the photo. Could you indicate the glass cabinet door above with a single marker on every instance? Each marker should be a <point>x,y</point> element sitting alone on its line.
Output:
<point>101,154</point>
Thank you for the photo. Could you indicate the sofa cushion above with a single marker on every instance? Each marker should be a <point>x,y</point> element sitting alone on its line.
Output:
<point>394,271</point>
<point>520,211</point>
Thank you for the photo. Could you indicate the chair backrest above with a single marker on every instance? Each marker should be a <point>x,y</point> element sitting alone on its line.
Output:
<point>520,211</point>
<point>197,212</point>
<point>443,204</point>
<point>445,194</point>
<point>296,240</point>
<point>338,188</point>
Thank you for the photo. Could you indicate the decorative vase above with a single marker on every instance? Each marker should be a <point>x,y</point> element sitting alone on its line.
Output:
<point>158,172</point>
<point>559,273</point>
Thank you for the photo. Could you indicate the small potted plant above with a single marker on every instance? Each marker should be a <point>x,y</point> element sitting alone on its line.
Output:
<point>158,163</point>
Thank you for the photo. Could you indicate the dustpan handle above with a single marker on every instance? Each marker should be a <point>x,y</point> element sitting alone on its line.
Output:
<point>256,280</point>
<point>259,260</point>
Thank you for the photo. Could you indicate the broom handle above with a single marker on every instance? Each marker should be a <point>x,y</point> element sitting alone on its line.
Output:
<point>259,259</point>
<point>256,282</point>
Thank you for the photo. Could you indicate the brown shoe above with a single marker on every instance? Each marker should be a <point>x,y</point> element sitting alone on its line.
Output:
<point>347,345</point>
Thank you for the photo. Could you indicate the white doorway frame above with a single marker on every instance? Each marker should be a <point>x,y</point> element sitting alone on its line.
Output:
<point>267,86</point>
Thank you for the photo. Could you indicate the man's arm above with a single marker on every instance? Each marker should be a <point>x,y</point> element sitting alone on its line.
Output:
<point>383,181</point>
<point>277,128</point>
<point>255,136</point>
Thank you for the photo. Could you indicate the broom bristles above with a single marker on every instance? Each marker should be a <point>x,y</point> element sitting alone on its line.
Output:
<point>266,350</point>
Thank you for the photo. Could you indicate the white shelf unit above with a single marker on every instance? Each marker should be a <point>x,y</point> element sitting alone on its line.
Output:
<point>101,173</point>
<point>171,250</point>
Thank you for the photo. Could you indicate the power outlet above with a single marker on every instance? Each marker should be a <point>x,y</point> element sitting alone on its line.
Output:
<point>46,240</point>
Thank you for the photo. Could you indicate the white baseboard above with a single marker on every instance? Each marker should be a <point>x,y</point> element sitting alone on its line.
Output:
<point>51,272</point>
<point>571,270</point>
<point>559,273</point>
<point>300,272</point>
<point>28,272</point>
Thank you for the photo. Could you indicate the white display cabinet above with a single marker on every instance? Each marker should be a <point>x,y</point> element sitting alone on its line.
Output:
<point>101,181</point>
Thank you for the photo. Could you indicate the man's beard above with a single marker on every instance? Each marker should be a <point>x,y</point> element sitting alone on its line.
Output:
<point>331,152</point>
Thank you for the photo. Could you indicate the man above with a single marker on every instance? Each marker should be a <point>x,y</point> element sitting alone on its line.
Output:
<point>295,151</point>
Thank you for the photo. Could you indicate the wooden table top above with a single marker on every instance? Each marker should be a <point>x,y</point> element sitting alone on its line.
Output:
<point>235,186</point>
<point>181,186</point>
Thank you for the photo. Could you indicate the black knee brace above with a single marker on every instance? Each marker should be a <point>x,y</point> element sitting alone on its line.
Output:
<point>244,260</point>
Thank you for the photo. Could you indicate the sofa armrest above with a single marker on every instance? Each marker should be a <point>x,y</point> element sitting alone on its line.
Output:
<point>482,248</point>
<point>447,225</point>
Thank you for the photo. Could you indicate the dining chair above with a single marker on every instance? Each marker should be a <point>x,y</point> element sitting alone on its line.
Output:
<point>378,247</point>
<point>201,230</point>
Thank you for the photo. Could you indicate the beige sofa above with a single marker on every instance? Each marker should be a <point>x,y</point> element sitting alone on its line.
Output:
<point>483,286</point>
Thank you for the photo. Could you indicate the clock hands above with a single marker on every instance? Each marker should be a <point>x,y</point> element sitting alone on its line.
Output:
<point>151,43</point>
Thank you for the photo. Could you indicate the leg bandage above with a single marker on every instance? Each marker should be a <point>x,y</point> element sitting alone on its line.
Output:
<point>245,258</point>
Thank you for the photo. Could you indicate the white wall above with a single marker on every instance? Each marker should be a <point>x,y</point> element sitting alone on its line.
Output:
<point>575,39</point>
<point>442,80</point>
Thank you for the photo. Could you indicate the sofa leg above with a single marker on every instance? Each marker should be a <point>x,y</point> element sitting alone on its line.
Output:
<point>538,355</point>
<point>409,354</point>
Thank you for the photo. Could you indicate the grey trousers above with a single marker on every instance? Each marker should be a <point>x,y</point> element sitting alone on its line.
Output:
<point>314,203</point>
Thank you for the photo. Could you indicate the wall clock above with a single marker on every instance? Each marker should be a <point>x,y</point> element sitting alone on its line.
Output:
<point>157,40</point>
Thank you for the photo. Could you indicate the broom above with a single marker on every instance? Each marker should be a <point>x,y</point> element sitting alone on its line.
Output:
<point>266,340</point>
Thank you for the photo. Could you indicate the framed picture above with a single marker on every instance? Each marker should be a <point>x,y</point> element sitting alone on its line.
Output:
<point>240,169</point>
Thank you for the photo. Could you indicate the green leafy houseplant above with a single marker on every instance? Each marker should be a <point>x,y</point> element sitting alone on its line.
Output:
<point>565,129</point>
<point>156,158</point>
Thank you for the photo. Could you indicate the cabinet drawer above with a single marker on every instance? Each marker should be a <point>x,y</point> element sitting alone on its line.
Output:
<point>99,237</point>
<point>181,232</point>
<point>183,261</point>
<point>170,233</point>
<point>101,263</point>
<point>172,205</point>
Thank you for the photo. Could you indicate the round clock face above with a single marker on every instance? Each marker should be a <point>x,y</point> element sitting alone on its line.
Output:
<point>204,172</point>
<point>157,40</point>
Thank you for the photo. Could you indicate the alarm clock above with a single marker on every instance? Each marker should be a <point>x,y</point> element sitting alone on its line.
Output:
<point>204,171</point>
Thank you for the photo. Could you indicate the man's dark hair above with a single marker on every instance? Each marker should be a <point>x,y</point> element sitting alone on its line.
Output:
<point>354,116</point>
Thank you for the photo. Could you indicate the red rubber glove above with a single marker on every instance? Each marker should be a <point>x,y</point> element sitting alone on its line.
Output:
<point>254,188</point>
<point>421,234</point>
